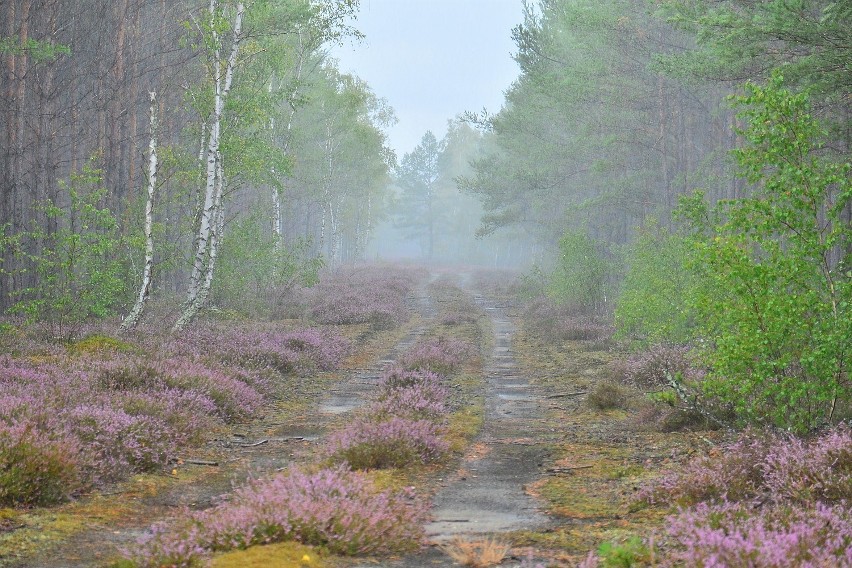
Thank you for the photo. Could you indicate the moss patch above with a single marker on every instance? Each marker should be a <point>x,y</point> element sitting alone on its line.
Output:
<point>280,555</point>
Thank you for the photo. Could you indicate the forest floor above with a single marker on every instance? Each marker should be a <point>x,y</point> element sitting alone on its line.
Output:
<point>536,470</point>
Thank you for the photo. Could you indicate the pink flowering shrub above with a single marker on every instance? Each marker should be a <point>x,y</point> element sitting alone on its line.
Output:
<point>777,536</point>
<point>372,295</point>
<point>419,401</point>
<point>120,416</point>
<point>397,442</point>
<point>765,466</point>
<point>335,508</point>
<point>286,352</point>
<point>397,377</point>
<point>234,399</point>
<point>115,444</point>
<point>36,468</point>
<point>766,500</point>
<point>803,472</point>
<point>442,355</point>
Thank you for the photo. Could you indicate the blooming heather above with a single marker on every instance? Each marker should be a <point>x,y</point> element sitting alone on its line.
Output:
<point>441,355</point>
<point>735,534</point>
<point>336,508</point>
<point>553,322</point>
<point>767,500</point>
<point>420,401</point>
<point>397,442</point>
<point>766,467</point>
<point>36,468</point>
<point>398,377</point>
<point>375,296</point>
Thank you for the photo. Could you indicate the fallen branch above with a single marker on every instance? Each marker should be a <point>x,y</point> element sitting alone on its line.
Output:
<point>255,444</point>
<point>196,462</point>
<point>566,394</point>
<point>567,469</point>
<point>691,403</point>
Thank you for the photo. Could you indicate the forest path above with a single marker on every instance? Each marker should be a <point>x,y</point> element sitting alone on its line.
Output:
<point>486,495</point>
<point>288,434</point>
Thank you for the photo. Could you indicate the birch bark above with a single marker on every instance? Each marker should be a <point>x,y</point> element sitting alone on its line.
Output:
<point>202,266</point>
<point>144,290</point>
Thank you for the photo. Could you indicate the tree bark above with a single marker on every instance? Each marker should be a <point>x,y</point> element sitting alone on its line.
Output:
<point>144,290</point>
<point>201,264</point>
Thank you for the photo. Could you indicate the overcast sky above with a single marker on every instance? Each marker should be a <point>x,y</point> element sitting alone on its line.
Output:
<point>433,59</point>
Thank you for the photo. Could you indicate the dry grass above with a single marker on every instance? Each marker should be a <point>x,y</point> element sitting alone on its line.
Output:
<point>476,553</point>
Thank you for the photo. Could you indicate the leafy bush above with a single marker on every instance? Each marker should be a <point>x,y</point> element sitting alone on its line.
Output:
<point>775,299</point>
<point>256,272</point>
<point>335,508</point>
<point>396,442</point>
<point>82,267</point>
<point>36,469</point>
<point>581,278</point>
<point>653,302</point>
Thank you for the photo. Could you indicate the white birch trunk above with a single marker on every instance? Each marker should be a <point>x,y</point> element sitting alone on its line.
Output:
<point>201,263</point>
<point>144,290</point>
<point>218,227</point>
<point>332,241</point>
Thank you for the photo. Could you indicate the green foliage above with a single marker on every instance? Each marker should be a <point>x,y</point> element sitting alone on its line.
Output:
<point>36,49</point>
<point>81,265</point>
<point>775,305</point>
<point>632,552</point>
<point>652,306</point>
<point>738,40</point>
<point>581,277</point>
<point>255,269</point>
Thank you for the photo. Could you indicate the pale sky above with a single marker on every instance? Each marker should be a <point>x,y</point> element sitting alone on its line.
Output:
<point>433,59</point>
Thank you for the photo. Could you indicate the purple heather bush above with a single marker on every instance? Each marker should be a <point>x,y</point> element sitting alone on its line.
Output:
<point>234,399</point>
<point>120,416</point>
<point>765,500</point>
<point>398,377</point>
<point>424,400</point>
<point>776,536</point>
<point>441,355</point>
<point>36,468</point>
<point>397,442</point>
<point>767,467</point>
<point>335,508</point>
<point>372,295</point>
<point>284,351</point>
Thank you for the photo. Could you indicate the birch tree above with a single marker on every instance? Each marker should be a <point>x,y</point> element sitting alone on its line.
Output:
<point>206,239</point>
<point>145,289</point>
